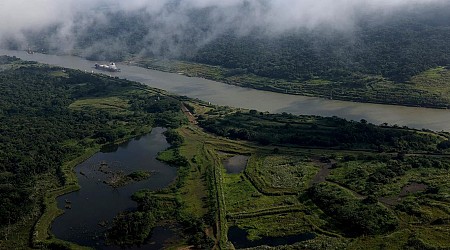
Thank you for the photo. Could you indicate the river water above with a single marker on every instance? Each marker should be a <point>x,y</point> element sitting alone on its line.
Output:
<point>93,207</point>
<point>223,94</point>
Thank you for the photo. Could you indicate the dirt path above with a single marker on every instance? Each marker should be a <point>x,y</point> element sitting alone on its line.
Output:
<point>189,115</point>
<point>410,188</point>
<point>324,172</point>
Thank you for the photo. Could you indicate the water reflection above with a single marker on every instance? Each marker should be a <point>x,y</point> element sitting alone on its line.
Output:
<point>93,207</point>
<point>235,164</point>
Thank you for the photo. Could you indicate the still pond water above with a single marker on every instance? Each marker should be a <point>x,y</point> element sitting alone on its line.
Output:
<point>235,164</point>
<point>95,205</point>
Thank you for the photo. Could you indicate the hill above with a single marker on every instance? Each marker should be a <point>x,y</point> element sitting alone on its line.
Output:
<point>378,59</point>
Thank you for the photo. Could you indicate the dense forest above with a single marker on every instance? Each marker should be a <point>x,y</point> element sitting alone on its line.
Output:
<point>380,58</point>
<point>311,131</point>
<point>50,115</point>
<point>396,47</point>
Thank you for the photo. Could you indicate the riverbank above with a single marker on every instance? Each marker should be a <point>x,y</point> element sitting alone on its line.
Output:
<point>427,90</point>
<point>228,95</point>
<point>41,233</point>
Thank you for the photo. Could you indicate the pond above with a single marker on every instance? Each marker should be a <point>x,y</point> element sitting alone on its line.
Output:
<point>89,211</point>
<point>239,239</point>
<point>235,164</point>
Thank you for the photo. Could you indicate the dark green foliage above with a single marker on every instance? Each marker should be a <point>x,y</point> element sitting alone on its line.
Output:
<point>409,206</point>
<point>161,207</point>
<point>355,217</point>
<point>170,119</point>
<point>166,109</point>
<point>155,104</point>
<point>173,138</point>
<point>385,174</point>
<point>131,228</point>
<point>316,132</point>
<point>8,59</point>
<point>196,228</point>
<point>404,43</point>
<point>58,246</point>
<point>139,175</point>
<point>428,162</point>
<point>39,132</point>
<point>444,145</point>
<point>173,156</point>
<point>396,48</point>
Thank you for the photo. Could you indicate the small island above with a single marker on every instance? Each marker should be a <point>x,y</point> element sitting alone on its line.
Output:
<point>119,179</point>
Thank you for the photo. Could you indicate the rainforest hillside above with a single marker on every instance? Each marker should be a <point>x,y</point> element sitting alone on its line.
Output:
<point>398,58</point>
<point>397,47</point>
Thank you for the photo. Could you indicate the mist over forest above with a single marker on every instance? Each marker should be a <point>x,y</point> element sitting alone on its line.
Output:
<point>294,40</point>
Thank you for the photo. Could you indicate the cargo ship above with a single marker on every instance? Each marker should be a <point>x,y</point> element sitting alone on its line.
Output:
<point>110,67</point>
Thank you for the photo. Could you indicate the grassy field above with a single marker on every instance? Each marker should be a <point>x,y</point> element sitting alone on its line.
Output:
<point>238,201</point>
<point>434,81</point>
<point>113,104</point>
<point>281,173</point>
<point>277,225</point>
<point>271,197</point>
<point>194,192</point>
<point>241,196</point>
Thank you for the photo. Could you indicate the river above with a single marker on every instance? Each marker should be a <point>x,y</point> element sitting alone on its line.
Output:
<point>223,94</point>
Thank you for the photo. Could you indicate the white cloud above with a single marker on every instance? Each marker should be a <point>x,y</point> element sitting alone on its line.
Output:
<point>18,16</point>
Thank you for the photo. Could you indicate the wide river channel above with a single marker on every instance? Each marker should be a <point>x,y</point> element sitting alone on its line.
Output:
<point>223,94</point>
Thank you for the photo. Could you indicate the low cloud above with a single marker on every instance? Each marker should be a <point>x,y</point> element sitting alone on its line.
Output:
<point>168,21</point>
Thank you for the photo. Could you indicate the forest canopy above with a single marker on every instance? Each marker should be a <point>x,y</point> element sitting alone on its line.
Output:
<point>50,115</point>
<point>396,46</point>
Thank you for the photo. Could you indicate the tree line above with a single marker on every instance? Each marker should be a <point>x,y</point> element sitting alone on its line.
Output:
<point>312,131</point>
